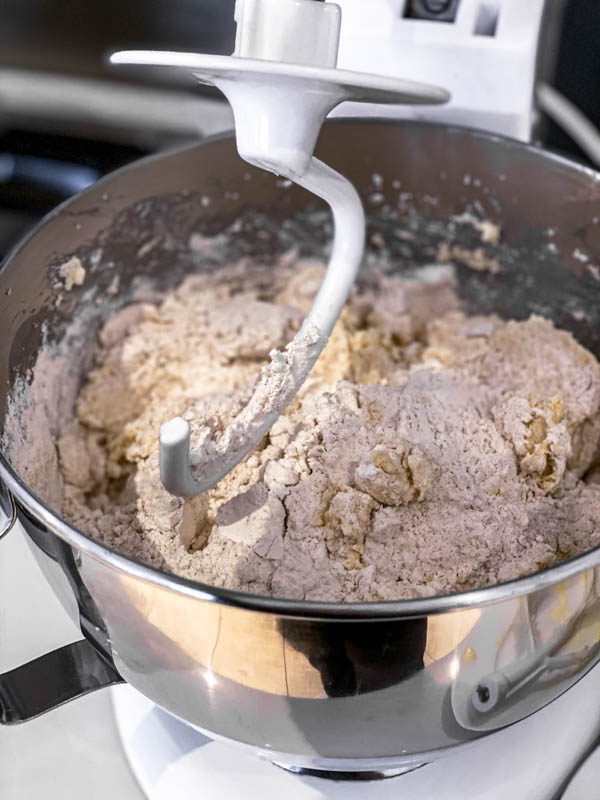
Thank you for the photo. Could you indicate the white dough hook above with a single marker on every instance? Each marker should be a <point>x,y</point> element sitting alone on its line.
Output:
<point>279,108</point>
<point>183,473</point>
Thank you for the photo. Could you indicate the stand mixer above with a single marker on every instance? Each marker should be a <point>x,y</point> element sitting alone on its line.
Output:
<point>441,729</point>
<point>300,32</point>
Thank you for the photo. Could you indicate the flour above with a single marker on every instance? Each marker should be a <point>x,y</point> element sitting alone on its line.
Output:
<point>428,452</point>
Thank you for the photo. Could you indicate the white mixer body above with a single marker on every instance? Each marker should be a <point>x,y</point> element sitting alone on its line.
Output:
<point>486,58</point>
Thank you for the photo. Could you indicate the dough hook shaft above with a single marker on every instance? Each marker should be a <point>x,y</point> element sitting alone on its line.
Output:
<point>185,473</point>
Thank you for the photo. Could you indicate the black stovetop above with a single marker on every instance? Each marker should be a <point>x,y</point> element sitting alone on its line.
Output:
<point>39,171</point>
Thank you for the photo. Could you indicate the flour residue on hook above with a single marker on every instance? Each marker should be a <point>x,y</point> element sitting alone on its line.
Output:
<point>183,473</point>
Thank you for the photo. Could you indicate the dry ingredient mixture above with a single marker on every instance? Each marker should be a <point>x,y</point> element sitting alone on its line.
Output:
<point>429,452</point>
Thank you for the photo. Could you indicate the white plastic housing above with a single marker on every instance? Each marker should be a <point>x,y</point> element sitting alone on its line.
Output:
<point>292,31</point>
<point>486,59</point>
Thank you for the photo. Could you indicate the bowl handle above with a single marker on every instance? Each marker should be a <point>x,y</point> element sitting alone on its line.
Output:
<point>8,510</point>
<point>53,679</point>
<point>56,677</point>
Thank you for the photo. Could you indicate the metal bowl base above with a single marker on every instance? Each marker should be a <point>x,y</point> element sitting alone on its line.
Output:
<point>358,776</point>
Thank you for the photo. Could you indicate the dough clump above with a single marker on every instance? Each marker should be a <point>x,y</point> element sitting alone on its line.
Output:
<point>429,452</point>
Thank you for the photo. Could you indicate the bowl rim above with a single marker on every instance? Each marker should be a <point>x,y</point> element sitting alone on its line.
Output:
<point>28,501</point>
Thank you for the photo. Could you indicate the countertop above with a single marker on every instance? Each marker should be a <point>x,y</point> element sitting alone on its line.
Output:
<point>73,751</point>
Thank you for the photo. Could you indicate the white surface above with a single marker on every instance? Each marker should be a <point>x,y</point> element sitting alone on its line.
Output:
<point>528,761</point>
<point>73,752</point>
<point>586,784</point>
<point>491,78</point>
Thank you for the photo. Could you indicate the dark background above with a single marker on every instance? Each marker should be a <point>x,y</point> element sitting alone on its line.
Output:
<point>577,72</point>
<point>42,164</point>
<point>73,36</point>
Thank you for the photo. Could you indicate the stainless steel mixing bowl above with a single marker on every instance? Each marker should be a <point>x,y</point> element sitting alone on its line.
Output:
<point>370,686</point>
